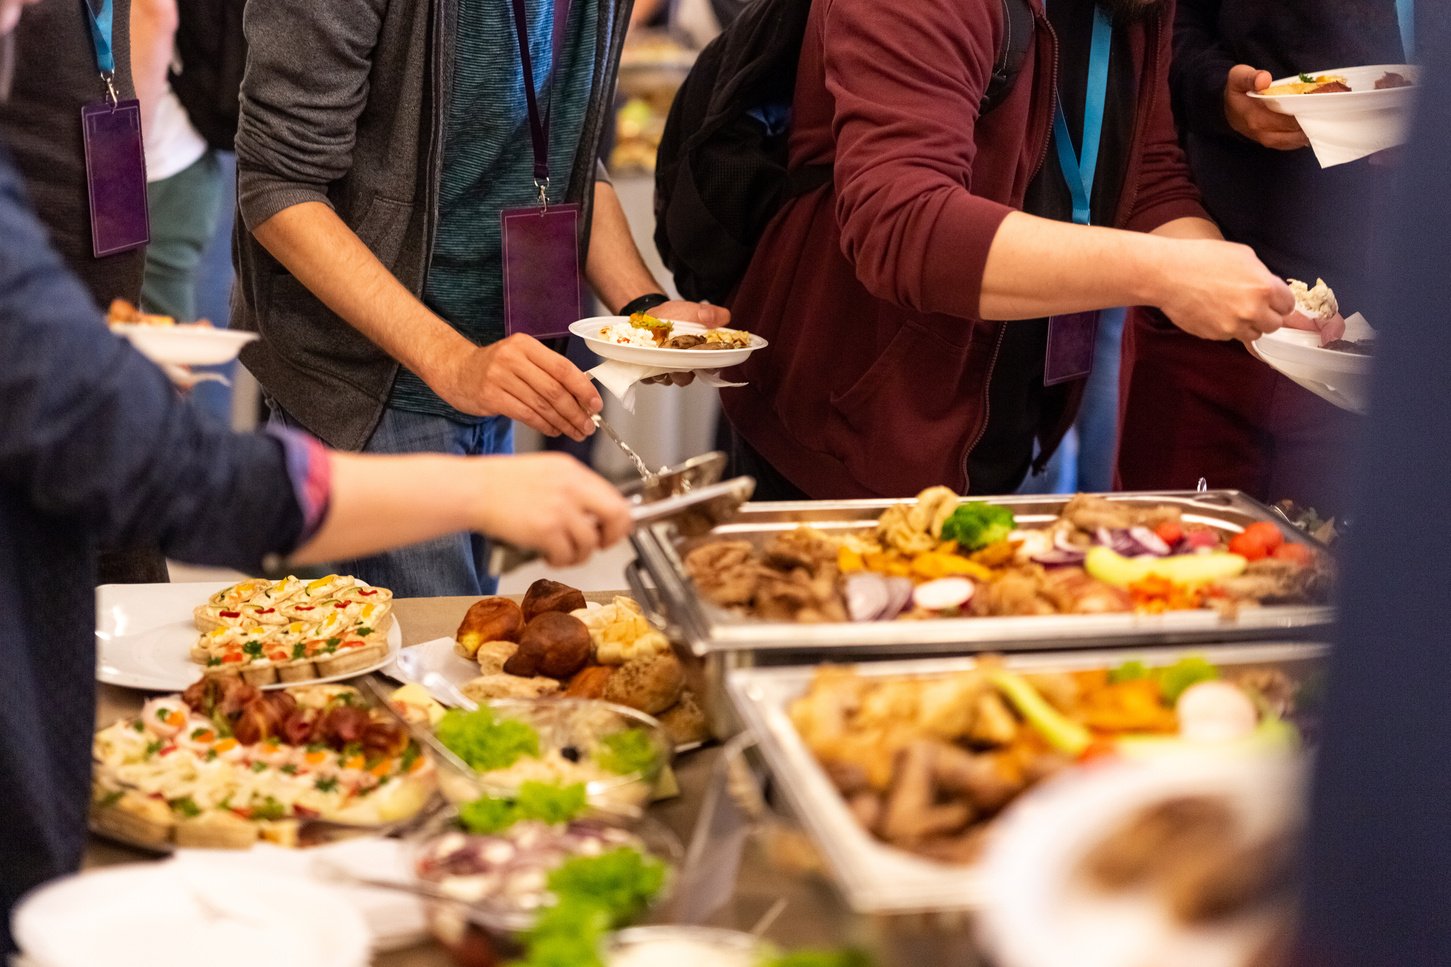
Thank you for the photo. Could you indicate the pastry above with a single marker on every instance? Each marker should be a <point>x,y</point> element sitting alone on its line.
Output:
<point>650,685</point>
<point>685,722</point>
<point>621,632</point>
<point>589,682</point>
<point>545,595</point>
<point>488,687</point>
<point>553,644</point>
<point>493,655</point>
<point>491,619</point>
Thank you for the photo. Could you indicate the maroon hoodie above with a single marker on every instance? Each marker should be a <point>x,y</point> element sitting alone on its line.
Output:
<point>876,380</point>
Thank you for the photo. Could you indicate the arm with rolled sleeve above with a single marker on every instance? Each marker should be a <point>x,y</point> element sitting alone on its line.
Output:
<point>92,431</point>
<point>907,99</point>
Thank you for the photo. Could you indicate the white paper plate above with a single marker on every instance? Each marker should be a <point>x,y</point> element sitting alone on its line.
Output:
<point>144,915</point>
<point>1337,377</point>
<point>144,634</point>
<point>1038,914</point>
<point>185,345</point>
<point>1360,99</point>
<point>675,360</point>
<point>432,656</point>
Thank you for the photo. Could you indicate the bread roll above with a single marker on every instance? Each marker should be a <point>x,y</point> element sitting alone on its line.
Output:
<point>544,596</point>
<point>589,682</point>
<point>491,619</point>
<point>492,655</point>
<point>553,644</point>
<point>685,721</point>
<point>487,687</point>
<point>650,685</point>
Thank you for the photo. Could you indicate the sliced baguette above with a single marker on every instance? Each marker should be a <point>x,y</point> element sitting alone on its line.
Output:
<point>135,818</point>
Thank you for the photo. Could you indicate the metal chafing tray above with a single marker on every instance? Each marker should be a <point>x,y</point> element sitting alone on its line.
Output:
<point>710,631</point>
<point>873,877</point>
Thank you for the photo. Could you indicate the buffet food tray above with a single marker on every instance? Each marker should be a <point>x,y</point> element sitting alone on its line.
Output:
<point>708,630</point>
<point>873,877</point>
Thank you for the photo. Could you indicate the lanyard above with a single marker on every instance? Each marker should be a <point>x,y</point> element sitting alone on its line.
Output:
<point>101,34</point>
<point>1406,13</point>
<point>538,123</point>
<point>1079,169</point>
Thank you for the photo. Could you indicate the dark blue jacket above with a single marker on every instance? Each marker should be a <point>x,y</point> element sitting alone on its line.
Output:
<point>1379,853</point>
<point>95,445</point>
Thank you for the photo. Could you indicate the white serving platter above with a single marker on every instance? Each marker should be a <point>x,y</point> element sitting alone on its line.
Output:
<point>673,360</point>
<point>185,345</point>
<point>144,634</point>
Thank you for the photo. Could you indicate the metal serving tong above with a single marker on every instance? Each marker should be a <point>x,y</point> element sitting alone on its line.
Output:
<point>691,495</point>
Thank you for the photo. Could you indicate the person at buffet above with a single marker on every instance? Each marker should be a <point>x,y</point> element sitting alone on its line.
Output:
<point>379,145</point>
<point>55,74</point>
<point>1235,421</point>
<point>96,445</point>
<point>885,295</point>
<point>1376,855</point>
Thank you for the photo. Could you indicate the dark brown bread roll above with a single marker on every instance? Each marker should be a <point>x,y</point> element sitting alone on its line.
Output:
<point>544,596</point>
<point>554,644</point>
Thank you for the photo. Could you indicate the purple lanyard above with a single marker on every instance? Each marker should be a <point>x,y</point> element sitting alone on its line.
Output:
<point>539,123</point>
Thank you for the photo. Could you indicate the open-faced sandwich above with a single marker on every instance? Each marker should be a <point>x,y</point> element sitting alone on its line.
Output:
<point>224,765</point>
<point>293,630</point>
<point>123,313</point>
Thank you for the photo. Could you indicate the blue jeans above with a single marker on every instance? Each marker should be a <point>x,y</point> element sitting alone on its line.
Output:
<point>454,565</point>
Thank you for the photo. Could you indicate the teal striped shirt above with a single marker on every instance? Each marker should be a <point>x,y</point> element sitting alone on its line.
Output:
<point>488,163</point>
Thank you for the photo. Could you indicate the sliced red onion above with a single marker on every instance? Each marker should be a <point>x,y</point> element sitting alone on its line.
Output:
<point>1059,558</point>
<point>899,590</point>
<point>944,594</point>
<point>1152,543</point>
<point>867,596</point>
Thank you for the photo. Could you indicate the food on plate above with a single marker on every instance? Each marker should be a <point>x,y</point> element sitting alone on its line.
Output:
<point>293,630</point>
<point>1390,79</point>
<point>597,651</point>
<point>1196,854</point>
<point>1360,347</point>
<point>710,339</point>
<point>1310,84</point>
<point>490,619</point>
<point>939,556</point>
<point>1316,310</point>
<point>123,313</point>
<point>647,332</point>
<point>553,645</point>
<point>545,595</point>
<point>416,704</point>
<point>615,754</point>
<point>224,765</point>
<point>925,763</point>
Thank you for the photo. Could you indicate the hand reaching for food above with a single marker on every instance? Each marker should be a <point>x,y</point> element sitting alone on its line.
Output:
<point>1253,119</point>
<point>550,503</point>
<point>1221,290</point>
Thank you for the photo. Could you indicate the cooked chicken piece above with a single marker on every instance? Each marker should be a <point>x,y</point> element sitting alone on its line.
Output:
<point>1015,593</point>
<point>1089,513</point>
<point>1059,688</point>
<point>993,723</point>
<point>1072,591</point>
<point>916,528</point>
<point>981,779</point>
<point>912,813</point>
<point>948,706</point>
<point>684,340</point>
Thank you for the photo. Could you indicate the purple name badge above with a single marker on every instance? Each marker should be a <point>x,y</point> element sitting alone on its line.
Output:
<point>1070,347</point>
<point>115,176</point>
<point>541,270</point>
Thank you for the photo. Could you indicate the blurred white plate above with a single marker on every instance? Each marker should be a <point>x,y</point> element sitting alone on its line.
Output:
<point>1039,914</point>
<point>414,663</point>
<point>676,360</point>
<point>143,915</point>
<point>1338,377</point>
<point>144,634</point>
<point>185,345</point>
<point>1362,96</point>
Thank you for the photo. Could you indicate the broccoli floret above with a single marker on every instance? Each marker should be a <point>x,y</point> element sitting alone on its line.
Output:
<point>976,525</point>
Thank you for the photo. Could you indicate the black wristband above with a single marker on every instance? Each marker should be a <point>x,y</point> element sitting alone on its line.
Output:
<point>644,303</point>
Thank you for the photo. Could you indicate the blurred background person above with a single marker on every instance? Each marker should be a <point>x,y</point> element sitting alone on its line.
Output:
<point>1193,409</point>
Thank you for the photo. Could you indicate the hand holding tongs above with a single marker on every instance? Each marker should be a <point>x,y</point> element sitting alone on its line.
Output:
<point>691,494</point>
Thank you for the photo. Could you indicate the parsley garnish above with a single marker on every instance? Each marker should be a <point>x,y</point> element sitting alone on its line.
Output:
<point>299,650</point>
<point>410,756</point>
<point>187,807</point>
<point>259,766</point>
<point>364,632</point>
<point>289,769</point>
<point>139,725</point>
<point>162,713</point>
<point>329,784</point>
<point>110,798</point>
<point>333,643</point>
<point>197,733</point>
<point>270,809</point>
<point>153,747</point>
<point>211,755</point>
<point>213,661</point>
<point>253,648</point>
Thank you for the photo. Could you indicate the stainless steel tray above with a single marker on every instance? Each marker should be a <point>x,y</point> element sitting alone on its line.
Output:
<point>707,630</point>
<point>873,877</point>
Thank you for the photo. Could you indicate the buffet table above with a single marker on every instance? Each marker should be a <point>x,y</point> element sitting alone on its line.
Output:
<point>811,915</point>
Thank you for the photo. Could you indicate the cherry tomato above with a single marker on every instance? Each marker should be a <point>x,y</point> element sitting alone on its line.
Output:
<point>1268,534</point>
<point>1298,553</point>
<point>1257,542</point>
<point>1170,531</point>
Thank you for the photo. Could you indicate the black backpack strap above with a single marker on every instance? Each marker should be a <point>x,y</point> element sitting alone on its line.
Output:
<point>1017,37</point>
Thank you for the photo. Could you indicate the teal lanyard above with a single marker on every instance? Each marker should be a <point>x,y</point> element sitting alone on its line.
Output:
<point>101,36</point>
<point>1406,11</point>
<point>1079,169</point>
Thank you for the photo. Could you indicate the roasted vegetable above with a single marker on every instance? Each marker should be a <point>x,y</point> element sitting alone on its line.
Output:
<point>976,525</point>
<point>1059,731</point>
